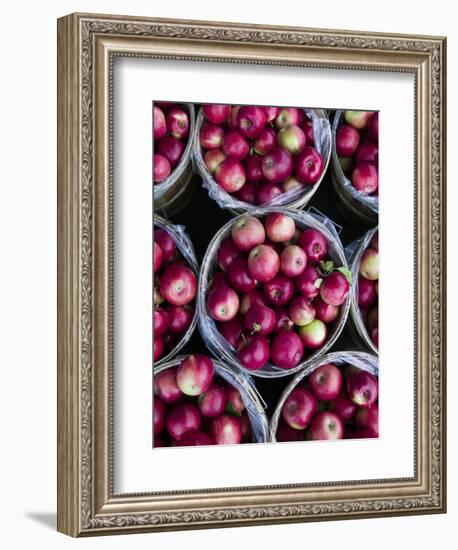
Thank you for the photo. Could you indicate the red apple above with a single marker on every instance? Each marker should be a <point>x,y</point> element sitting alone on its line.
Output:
<point>372,126</point>
<point>177,122</point>
<point>326,425</point>
<point>299,408</point>
<point>368,266</point>
<point>270,113</point>
<point>286,433</point>
<point>226,430</point>
<point>326,382</point>
<point>362,388</point>
<point>227,253</point>
<point>367,296</point>
<point>266,141</point>
<point>307,128</point>
<point>263,263</point>
<point>213,401</point>
<point>183,418</point>
<point>367,152</point>
<point>213,158</point>
<point>194,438</point>
<point>230,175</point>
<point>250,299</point>
<point>211,136</point>
<point>178,285</point>
<point>232,330</point>
<point>159,125</point>
<point>157,257</point>
<point>247,193</point>
<point>334,289</point>
<point>279,290</point>
<point>223,303</point>
<point>250,121</point>
<point>308,282</point>
<point>235,404</point>
<point>372,317</point>
<point>287,116</point>
<point>314,334</point>
<point>158,442</point>
<point>279,227</point>
<point>163,238</point>
<point>347,141</point>
<point>161,168</point>
<point>260,319</point>
<point>368,418</point>
<point>343,407</point>
<point>308,165</point>
<point>248,232</point>
<point>253,168</point>
<point>161,321</point>
<point>235,145</point>
<point>374,336</point>
<point>171,148</point>
<point>293,260</point>
<point>180,318</point>
<point>266,193</point>
<point>277,165</point>
<point>254,353</point>
<point>158,348</point>
<point>325,312</point>
<point>159,414</point>
<point>195,374</point>
<point>219,279</point>
<point>365,177</point>
<point>216,113</point>
<point>314,244</point>
<point>283,321</point>
<point>292,139</point>
<point>239,277</point>
<point>301,311</point>
<point>165,386</point>
<point>291,184</point>
<point>286,350</point>
<point>357,119</point>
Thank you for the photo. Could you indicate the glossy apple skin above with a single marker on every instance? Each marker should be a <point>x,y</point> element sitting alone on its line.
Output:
<point>286,433</point>
<point>266,193</point>
<point>367,296</point>
<point>183,418</point>
<point>195,374</point>
<point>218,114</point>
<point>277,165</point>
<point>247,193</point>
<point>171,148</point>
<point>334,289</point>
<point>314,244</point>
<point>180,318</point>
<point>159,125</point>
<point>373,127</point>
<point>248,232</point>
<point>226,430</point>
<point>292,139</point>
<point>368,266</point>
<point>254,353</point>
<point>235,404</point>
<point>299,408</point>
<point>239,277</point>
<point>286,350</point>
<point>308,282</point>
<point>263,263</point>
<point>292,184</point>
<point>308,165</point>
<point>253,168</point>
<point>279,290</point>
<point>227,253</point>
<point>223,303</point>
<point>235,145</point>
<point>194,438</point>
<point>232,330</point>
<point>157,257</point>
<point>260,320</point>
<point>326,382</point>
<point>211,136</point>
<point>178,285</point>
<point>301,311</point>
<point>159,414</point>
<point>279,227</point>
<point>161,321</point>
<point>367,152</point>
<point>326,426</point>
<point>343,407</point>
<point>266,142</point>
<point>249,299</point>
<point>314,334</point>
<point>365,177</point>
<point>287,116</point>
<point>165,386</point>
<point>347,141</point>
<point>213,158</point>
<point>283,321</point>
<point>177,121</point>
<point>250,121</point>
<point>213,401</point>
<point>374,336</point>
<point>357,119</point>
<point>166,242</point>
<point>161,168</point>
<point>270,113</point>
<point>293,260</point>
<point>230,175</point>
<point>158,348</point>
<point>368,418</point>
<point>325,312</point>
<point>362,388</point>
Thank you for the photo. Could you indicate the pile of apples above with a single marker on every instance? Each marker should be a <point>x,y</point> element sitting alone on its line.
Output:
<point>170,132</point>
<point>331,403</point>
<point>258,153</point>
<point>175,288</point>
<point>194,406</point>
<point>276,293</point>
<point>368,288</point>
<point>357,148</point>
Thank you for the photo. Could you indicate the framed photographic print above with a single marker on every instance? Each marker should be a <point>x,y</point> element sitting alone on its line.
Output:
<point>241,209</point>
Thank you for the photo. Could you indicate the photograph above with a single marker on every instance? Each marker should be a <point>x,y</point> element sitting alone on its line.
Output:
<point>265,262</point>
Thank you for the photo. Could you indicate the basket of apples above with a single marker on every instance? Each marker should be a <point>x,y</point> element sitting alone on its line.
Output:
<point>249,156</point>
<point>173,128</point>
<point>355,165</point>
<point>175,288</point>
<point>200,401</point>
<point>274,291</point>
<point>336,397</point>
<point>364,300</point>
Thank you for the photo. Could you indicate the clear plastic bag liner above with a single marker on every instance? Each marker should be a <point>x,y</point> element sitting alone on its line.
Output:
<point>362,360</point>
<point>323,144</point>
<point>161,189</point>
<point>353,253</point>
<point>215,341</point>
<point>370,201</point>
<point>253,401</point>
<point>186,248</point>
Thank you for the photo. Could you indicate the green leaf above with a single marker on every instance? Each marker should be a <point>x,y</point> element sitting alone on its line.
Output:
<point>346,272</point>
